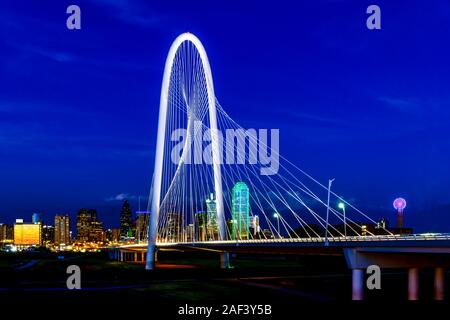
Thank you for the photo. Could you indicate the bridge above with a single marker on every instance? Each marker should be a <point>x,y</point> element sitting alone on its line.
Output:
<point>222,188</point>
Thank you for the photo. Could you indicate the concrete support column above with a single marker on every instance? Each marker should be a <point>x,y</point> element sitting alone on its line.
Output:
<point>357,284</point>
<point>156,256</point>
<point>135,256</point>
<point>121,256</point>
<point>439,283</point>
<point>224,260</point>
<point>413,284</point>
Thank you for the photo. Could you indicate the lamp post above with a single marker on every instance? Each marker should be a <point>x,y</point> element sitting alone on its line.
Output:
<point>341,205</point>
<point>277,216</point>
<point>330,181</point>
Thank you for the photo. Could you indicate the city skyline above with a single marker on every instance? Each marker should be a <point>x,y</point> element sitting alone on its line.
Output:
<point>382,122</point>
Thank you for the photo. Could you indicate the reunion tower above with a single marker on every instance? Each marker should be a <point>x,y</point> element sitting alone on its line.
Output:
<point>399,205</point>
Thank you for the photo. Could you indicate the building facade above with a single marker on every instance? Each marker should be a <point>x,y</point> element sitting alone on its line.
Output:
<point>62,230</point>
<point>27,234</point>
<point>89,227</point>
<point>126,221</point>
<point>240,203</point>
<point>212,227</point>
<point>6,234</point>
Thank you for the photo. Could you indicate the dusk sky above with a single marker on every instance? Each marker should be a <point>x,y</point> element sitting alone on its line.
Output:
<point>79,108</point>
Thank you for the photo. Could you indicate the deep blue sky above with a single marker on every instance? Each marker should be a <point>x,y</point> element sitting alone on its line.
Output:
<point>78,109</point>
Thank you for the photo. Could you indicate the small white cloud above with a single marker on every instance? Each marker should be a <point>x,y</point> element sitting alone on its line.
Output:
<point>121,197</point>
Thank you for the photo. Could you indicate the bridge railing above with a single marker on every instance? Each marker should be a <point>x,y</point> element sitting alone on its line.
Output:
<point>378,238</point>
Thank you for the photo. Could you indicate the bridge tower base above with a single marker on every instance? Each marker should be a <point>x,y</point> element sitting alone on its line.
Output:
<point>413,284</point>
<point>224,260</point>
<point>439,283</point>
<point>357,284</point>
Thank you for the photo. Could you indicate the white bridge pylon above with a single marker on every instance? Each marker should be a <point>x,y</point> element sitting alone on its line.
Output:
<point>155,197</point>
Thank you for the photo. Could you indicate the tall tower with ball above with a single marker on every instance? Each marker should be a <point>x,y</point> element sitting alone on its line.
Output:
<point>400,205</point>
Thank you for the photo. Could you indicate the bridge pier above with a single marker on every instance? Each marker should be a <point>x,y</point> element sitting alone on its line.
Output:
<point>224,260</point>
<point>357,284</point>
<point>439,283</point>
<point>413,284</point>
<point>396,257</point>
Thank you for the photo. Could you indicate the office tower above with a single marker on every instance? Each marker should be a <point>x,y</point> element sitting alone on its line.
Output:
<point>141,225</point>
<point>212,227</point>
<point>96,233</point>
<point>27,234</point>
<point>83,225</point>
<point>190,232</point>
<point>89,228</point>
<point>255,225</point>
<point>48,234</point>
<point>173,223</point>
<point>36,218</point>
<point>6,234</point>
<point>240,211</point>
<point>125,220</point>
<point>116,235</point>
<point>200,226</point>
<point>62,230</point>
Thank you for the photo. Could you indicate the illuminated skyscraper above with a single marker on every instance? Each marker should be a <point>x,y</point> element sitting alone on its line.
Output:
<point>141,225</point>
<point>6,234</point>
<point>48,234</point>
<point>173,233</point>
<point>89,228</point>
<point>212,228</point>
<point>36,218</point>
<point>255,225</point>
<point>240,211</point>
<point>62,229</point>
<point>83,225</point>
<point>200,226</point>
<point>126,222</point>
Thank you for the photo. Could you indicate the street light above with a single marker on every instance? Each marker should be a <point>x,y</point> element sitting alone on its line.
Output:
<point>277,216</point>
<point>341,205</point>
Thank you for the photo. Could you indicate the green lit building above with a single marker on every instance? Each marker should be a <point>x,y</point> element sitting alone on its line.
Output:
<point>240,212</point>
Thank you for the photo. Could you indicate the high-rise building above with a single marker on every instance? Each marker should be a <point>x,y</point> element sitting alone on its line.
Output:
<point>255,227</point>
<point>96,233</point>
<point>48,234</point>
<point>173,229</point>
<point>62,230</point>
<point>126,222</point>
<point>84,219</point>
<point>200,231</point>
<point>36,218</point>
<point>190,232</point>
<point>89,228</point>
<point>115,233</point>
<point>212,227</point>
<point>141,225</point>
<point>27,234</point>
<point>6,234</point>
<point>240,203</point>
